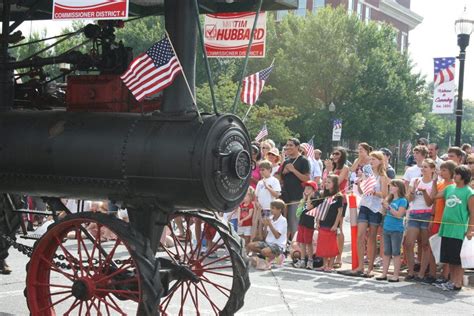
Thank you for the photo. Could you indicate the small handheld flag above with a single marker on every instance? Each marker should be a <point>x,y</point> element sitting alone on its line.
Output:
<point>263,133</point>
<point>320,211</point>
<point>367,186</point>
<point>408,151</point>
<point>253,85</point>
<point>152,71</point>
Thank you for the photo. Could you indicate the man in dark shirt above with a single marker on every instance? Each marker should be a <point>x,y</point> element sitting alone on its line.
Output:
<point>293,172</point>
<point>387,154</point>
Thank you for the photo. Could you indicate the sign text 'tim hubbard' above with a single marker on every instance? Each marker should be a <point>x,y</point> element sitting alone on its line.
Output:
<point>90,9</point>
<point>228,34</point>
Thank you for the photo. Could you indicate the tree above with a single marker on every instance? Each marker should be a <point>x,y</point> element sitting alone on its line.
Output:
<point>335,57</point>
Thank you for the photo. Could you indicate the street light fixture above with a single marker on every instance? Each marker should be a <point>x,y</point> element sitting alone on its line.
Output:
<point>463,28</point>
<point>332,107</point>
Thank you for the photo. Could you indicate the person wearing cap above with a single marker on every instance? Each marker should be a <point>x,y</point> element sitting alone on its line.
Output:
<point>315,170</point>
<point>387,154</point>
<point>273,156</point>
<point>305,233</point>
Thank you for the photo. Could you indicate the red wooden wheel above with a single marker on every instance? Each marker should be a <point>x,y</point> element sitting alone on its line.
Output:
<point>221,268</point>
<point>87,276</point>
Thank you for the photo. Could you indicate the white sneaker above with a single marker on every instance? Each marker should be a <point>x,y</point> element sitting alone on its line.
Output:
<point>309,265</point>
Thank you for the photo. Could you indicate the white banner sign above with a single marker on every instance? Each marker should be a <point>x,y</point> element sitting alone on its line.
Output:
<point>443,98</point>
<point>336,130</point>
<point>90,9</point>
<point>228,34</point>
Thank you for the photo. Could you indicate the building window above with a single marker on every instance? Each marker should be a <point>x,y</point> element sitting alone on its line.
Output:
<point>350,6</point>
<point>317,4</point>
<point>368,12</point>
<point>301,11</point>
<point>281,15</point>
<point>403,42</point>
<point>360,9</point>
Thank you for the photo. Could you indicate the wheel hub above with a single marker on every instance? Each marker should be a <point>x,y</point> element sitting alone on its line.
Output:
<point>83,289</point>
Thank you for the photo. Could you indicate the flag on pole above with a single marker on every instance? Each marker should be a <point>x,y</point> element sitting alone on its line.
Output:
<point>263,133</point>
<point>310,149</point>
<point>320,211</point>
<point>408,151</point>
<point>253,85</point>
<point>444,70</point>
<point>152,71</point>
<point>367,186</point>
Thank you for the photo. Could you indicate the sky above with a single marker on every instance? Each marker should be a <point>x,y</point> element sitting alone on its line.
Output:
<point>434,37</point>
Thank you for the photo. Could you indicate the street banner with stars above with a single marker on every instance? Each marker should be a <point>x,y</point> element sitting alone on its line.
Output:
<point>444,85</point>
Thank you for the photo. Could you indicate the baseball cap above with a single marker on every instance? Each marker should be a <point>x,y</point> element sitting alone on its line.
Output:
<point>387,152</point>
<point>310,183</point>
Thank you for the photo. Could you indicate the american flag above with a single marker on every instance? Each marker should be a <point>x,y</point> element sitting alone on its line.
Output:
<point>263,132</point>
<point>408,151</point>
<point>443,70</point>
<point>320,211</point>
<point>253,86</point>
<point>152,71</point>
<point>367,186</point>
<point>310,149</point>
<point>337,124</point>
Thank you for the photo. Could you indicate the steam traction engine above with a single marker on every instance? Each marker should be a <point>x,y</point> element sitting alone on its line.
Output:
<point>96,143</point>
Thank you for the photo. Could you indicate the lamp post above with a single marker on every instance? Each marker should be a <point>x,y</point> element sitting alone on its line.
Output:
<point>463,28</point>
<point>332,110</point>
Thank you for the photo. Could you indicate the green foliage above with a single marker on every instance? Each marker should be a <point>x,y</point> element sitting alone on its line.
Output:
<point>140,34</point>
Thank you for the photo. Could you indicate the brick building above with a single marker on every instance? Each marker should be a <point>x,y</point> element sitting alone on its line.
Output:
<point>395,12</point>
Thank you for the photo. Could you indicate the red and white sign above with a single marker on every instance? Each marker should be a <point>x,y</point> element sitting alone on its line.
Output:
<point>90,9</point>
<point>228,34</point>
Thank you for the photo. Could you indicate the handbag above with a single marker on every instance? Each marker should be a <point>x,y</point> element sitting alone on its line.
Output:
<point>435,243</point>
<point>467,254</point>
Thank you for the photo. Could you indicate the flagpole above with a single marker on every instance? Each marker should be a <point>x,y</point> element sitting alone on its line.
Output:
<point>246,114</point>
<point>184,76</point>
<point>257,13</point>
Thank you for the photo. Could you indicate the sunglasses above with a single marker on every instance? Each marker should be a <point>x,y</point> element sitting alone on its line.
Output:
<point>336,153</point>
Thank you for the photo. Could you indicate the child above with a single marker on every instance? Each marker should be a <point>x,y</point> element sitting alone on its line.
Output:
<point>268,189</point>
<point>276,228</point>
<point>246,213</point>
<point>306,227</point>
<point>327,236</point>
<point>396,206</point>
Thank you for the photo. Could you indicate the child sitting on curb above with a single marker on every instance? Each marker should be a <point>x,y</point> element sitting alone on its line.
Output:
<point>275,230</point>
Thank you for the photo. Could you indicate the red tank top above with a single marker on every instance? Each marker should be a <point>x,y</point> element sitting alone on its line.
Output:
<point>342,186</point>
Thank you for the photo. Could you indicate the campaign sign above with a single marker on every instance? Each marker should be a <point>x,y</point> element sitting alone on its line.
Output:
<point>228,34</point>
<point>90,9</point>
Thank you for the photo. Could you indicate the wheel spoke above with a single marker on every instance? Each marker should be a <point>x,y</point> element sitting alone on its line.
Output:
<point>170,295</point>
<point>56,269</point>
<point>177,242</point>
<point>59,293</point>
<point>215,261</point>
<point>207,296</point>
<point>221,274</point>
<point>73,306</point>
<point>107,261</point>
<point>217,286</point>
<point>55,303</point>
<point>117,308</point>
<point>214,268</point>
<point>53,285</point>
<point>67,254</point>
<point>119,270</point>
<point>212,250</point>
<point>79,252</point>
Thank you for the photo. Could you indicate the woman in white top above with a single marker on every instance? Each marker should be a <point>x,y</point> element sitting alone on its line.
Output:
<point>419,215</point>
<point>370,212</point>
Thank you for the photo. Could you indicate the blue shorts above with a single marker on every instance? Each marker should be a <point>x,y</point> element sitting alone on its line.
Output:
<point>413,220</point>
<point>392,243</point>
<point>367,216</point>
<point>235,223</point>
